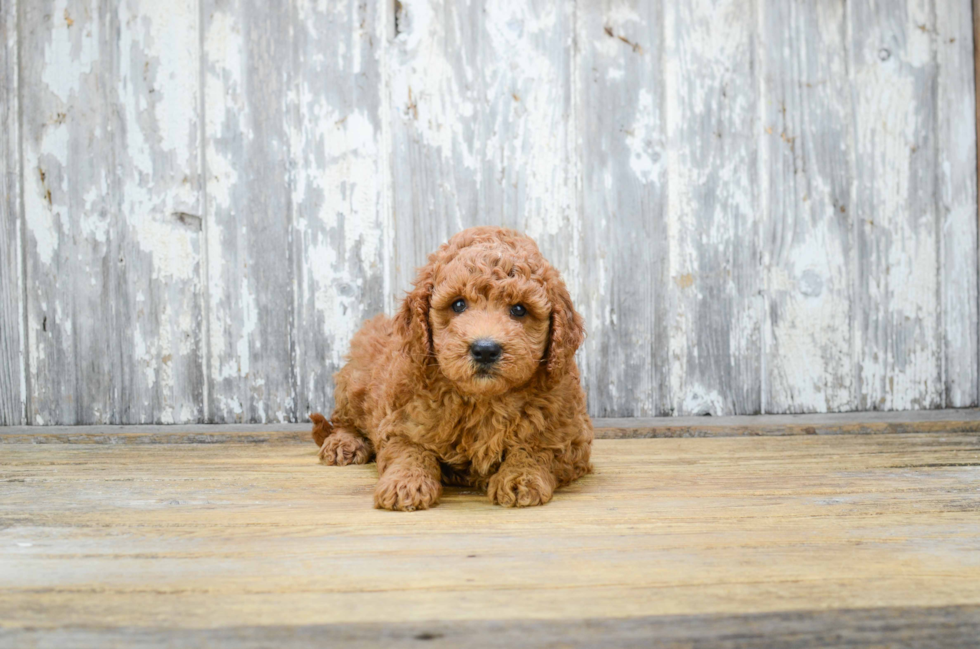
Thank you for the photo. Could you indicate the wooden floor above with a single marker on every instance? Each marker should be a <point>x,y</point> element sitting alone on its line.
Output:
<point>742,541</point>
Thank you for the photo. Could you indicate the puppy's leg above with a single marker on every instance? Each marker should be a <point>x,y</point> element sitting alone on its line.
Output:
<point>343,447</point>
<point>573,463</point>
<point>410,477</point>
<point>524,479</point>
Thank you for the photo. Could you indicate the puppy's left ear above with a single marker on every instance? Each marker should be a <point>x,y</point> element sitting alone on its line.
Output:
<point>567,329</point>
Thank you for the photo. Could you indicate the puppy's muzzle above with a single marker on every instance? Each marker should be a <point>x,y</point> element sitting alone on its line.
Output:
<point>486,352</point>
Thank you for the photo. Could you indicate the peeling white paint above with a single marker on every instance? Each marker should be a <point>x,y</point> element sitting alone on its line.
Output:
<point>40,216</point>
<point>430,94</point>
<point>645,160</point>
<point>701,400</point>
<point>143,356</point>
<point>956,145</point>
<point>71,53</point>
<point>501,133</point>
<point>172,247</point>
<point>808,278</point>
<point>223,90</point>
<point>900,365</point>
<point>713,329</point>
<point>172,45</point>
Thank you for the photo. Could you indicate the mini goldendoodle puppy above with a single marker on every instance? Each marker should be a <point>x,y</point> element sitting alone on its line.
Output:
<point>472,383</point>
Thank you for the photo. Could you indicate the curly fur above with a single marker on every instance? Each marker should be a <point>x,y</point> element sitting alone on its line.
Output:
<point>411,395</point>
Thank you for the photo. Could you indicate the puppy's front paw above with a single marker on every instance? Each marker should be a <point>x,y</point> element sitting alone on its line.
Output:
<point>406,492</point>
<point>343,448</point>
<point>520,488</point>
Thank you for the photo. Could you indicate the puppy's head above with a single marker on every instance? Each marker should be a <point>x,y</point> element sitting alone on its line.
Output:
<point>491,312</point>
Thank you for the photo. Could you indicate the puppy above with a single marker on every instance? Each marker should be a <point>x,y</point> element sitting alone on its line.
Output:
<point>472,383</point>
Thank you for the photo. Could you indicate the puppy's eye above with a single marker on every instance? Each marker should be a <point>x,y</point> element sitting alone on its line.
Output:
<point>459,305</point>
<point>518,311</point>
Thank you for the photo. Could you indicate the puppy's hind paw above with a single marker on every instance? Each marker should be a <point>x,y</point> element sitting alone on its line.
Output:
<point>343,448</point>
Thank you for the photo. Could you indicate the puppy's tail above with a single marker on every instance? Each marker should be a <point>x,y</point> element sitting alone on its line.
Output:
<point>321,428</point>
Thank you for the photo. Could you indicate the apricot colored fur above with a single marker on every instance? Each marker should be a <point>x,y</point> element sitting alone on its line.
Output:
<point>411,392</point>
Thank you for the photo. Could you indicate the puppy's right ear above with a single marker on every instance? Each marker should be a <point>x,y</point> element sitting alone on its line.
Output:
<point>412,320</point>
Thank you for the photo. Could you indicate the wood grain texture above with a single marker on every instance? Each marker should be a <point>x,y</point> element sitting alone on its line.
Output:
<point>223,537</point>
<point>896,230</point>
<point>159,301</point>
<point>67,168</point>
<point>806,181</point>
<point>110,145</point>
<point>250,256</point>
<point>712,117</point>
<point>481,127</point>
<point>13,387</point>
<point>763,207</point>
<point>621,130</point>
<point>976,153</point>
<point>337,178</point>
<point>956,198</point>
<point>940,626</point>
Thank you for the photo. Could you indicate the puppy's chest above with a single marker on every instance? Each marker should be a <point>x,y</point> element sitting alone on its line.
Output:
<point>476,445</point>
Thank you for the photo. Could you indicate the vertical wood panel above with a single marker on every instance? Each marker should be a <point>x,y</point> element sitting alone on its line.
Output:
<point>898,326</point>
<point>249,255</point>
<point>624,253</point>
<point>158,296</point>
<point>976,142</point>
<point>337,178</point>
<point>13,390</point>
<point>957,200</point>
<point>71,265</point>
<point>437,140</point>
<point>110,157</point>
<point>806,183</point>
<point>481,103</point>
<point>712,120</point>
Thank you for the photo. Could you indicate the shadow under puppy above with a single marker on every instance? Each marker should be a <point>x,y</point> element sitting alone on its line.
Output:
<point>472,383</point>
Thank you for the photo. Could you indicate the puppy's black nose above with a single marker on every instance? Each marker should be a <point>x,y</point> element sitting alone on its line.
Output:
<point>485,351</point>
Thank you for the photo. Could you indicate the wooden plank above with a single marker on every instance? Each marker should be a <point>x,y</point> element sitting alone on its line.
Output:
<point>67,152</point>
<point>166,434</point>
<point>158,302</point>
<point>250,261</point>
<point>712,121</point>
<point>110,138</point>
<point>13,388</point>
<point>940,626</point>
<point>862,423</point>
<point>897,325</point>
<point>806,114</point>
<point>957,201</point>
<point>976,88</point>
<point>337,178</point>
<point>224,537</point>
<point>481,105</point>
<point>851,423</point>
<point>436,139</point>
<point>620,101</point>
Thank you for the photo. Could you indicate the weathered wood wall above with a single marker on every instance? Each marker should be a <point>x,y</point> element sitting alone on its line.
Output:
<point>765,206</point>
